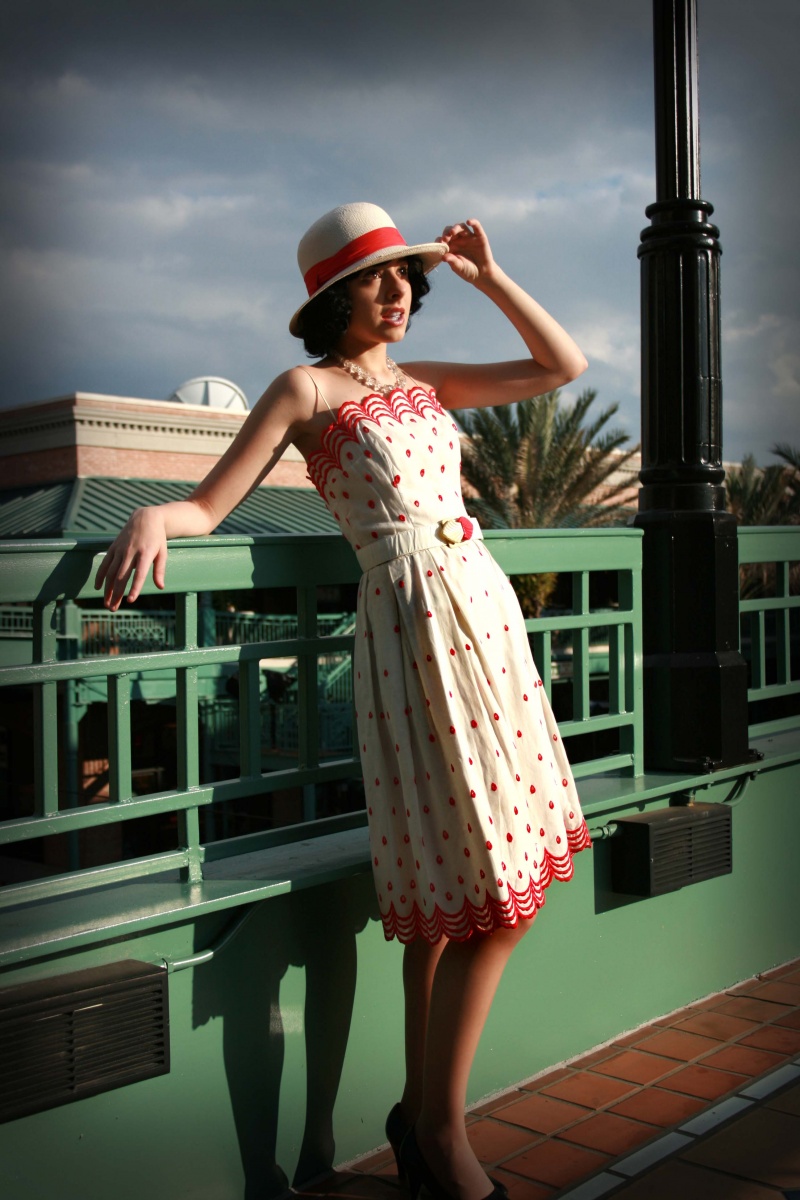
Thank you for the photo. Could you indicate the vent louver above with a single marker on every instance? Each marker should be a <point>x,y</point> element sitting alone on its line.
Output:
<point>661,851</point>
<point>72,1036</point>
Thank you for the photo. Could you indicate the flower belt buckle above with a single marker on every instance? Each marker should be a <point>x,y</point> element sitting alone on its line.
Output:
<point>455,529</point>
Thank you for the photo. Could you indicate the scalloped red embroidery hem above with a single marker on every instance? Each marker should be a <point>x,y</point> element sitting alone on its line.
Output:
<point>341,431</point>
<point>493,914</point>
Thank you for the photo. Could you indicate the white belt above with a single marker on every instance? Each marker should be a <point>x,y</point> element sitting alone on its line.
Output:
<point>450,532</point>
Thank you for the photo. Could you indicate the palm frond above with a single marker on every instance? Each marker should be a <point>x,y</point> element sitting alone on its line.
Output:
<point>538,463</point>
<point>763,496</point>
<point>790,454</point>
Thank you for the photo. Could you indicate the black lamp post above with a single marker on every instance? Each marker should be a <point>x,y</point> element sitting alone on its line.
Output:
<point>695,677</point>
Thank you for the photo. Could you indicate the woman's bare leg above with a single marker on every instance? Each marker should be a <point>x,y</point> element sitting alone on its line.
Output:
<point>420,960</point>
<point>464,986</point>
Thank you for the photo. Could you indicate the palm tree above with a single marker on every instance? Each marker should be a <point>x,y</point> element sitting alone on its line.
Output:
<point>535,465</point>
<point>791,456</point>
<point>765,496</point>
<point>758,496</point>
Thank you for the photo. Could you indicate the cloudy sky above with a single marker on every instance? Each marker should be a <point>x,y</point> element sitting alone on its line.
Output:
<point>161,159</point>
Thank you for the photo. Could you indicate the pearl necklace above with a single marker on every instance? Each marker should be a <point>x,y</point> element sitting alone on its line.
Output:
<point>384,389</point>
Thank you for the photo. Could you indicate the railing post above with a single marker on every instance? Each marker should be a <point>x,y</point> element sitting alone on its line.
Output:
<point>45,712</point>
<point>695,677</point>
<point>308,696</point>
<point>73,712</point>
<point>188,736</point>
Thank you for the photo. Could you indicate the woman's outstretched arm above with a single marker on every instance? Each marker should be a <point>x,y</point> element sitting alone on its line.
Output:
<point>286,405</point>
<point>554,360</point>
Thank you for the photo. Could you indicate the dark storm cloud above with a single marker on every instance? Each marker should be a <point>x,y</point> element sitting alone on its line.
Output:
<point>161,160</point>
<point>214,35</point>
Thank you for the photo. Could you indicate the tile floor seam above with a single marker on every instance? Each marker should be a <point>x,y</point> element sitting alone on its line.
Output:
<point>540,1182</point>
<point>678,1064</point>
<point>635,1089</point>
<point>596,1108</point>
<point>552,1132</point>
<point>507,1120</point>
<point>712,1099</point>
<point>691,1138</point>
<point>621,1116</point>
<point>754,1026</point>
<point>693,1058</point>
<point>514,1126</point>
<point>699,1062</point>
<point>614,1156</point>
<point>500,1163</point>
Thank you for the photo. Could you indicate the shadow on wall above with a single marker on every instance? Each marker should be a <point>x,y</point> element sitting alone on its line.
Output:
<point>314,929</point>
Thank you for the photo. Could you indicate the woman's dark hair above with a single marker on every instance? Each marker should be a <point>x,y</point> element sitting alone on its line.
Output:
<point>326,317</point>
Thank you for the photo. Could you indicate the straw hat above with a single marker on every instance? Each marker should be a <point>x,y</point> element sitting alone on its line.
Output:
<point>346,240</point>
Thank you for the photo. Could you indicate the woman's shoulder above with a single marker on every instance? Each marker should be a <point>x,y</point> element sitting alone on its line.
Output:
<point>298,380</point>
<point>305,392</point>
<point>291,398</point>
<point>427,375</point>
<point>298,385</point>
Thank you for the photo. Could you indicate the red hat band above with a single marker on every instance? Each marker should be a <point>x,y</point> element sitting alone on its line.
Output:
<point>360,247</point>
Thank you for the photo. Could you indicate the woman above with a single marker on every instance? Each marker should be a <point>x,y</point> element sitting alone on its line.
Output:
<point>472,806</point>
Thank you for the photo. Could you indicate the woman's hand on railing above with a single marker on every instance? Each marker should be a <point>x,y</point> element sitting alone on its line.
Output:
<point>142,542</point>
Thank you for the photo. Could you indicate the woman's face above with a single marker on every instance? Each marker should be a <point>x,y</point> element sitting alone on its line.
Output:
<point>380,299</point>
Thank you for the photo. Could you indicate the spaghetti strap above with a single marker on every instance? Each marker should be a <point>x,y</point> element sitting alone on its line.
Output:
<point>319,390</point>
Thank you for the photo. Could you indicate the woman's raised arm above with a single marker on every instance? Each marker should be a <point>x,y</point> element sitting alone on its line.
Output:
<point>554,360</point>
<point>287,404</point>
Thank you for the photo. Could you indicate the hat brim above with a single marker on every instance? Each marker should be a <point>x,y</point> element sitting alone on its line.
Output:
<point>431,254</point>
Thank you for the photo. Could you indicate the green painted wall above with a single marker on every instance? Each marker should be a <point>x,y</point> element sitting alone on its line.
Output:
<point>310,978</point>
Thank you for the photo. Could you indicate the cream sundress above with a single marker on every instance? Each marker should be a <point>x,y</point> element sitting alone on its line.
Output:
<point>471,802</point>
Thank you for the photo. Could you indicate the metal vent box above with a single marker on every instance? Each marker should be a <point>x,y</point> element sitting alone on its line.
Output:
<point>72,1036</point>
<point>668,848</point>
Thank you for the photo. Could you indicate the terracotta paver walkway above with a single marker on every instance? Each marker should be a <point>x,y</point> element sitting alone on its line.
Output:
<point>702,1104</point>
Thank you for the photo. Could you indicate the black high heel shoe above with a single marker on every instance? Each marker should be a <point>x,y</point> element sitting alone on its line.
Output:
<point>420,1175</point>
<point>396,1129</point>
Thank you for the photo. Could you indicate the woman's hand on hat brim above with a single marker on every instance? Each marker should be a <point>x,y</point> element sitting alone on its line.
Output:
<point>469,254</point>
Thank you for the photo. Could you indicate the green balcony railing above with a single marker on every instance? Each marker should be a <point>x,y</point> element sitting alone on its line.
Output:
<point>601,712</point>
<point>589,654</point>
<point>769,564</point>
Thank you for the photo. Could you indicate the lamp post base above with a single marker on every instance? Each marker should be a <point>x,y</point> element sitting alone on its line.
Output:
<point>702,693</point>
<point>695,679</point>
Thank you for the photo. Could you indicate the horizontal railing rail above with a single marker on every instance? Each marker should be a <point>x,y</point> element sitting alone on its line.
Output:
<point>769,561</point>
<point>238,627</point>
<point>101,632</point>
<point>314,728</point>
<point>16,621</point>
<point>95,631</point>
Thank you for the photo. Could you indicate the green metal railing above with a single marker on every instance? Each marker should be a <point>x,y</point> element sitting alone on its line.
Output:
<point>769,561</point>
<point>97,631</point>
<point>241,627</point>
<point>603,550</point>
<point>49,574</point>
<point>104,633</point>
<point>16,621</point>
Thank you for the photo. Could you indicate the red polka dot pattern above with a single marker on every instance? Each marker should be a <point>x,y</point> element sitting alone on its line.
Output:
<point>485,821</point>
